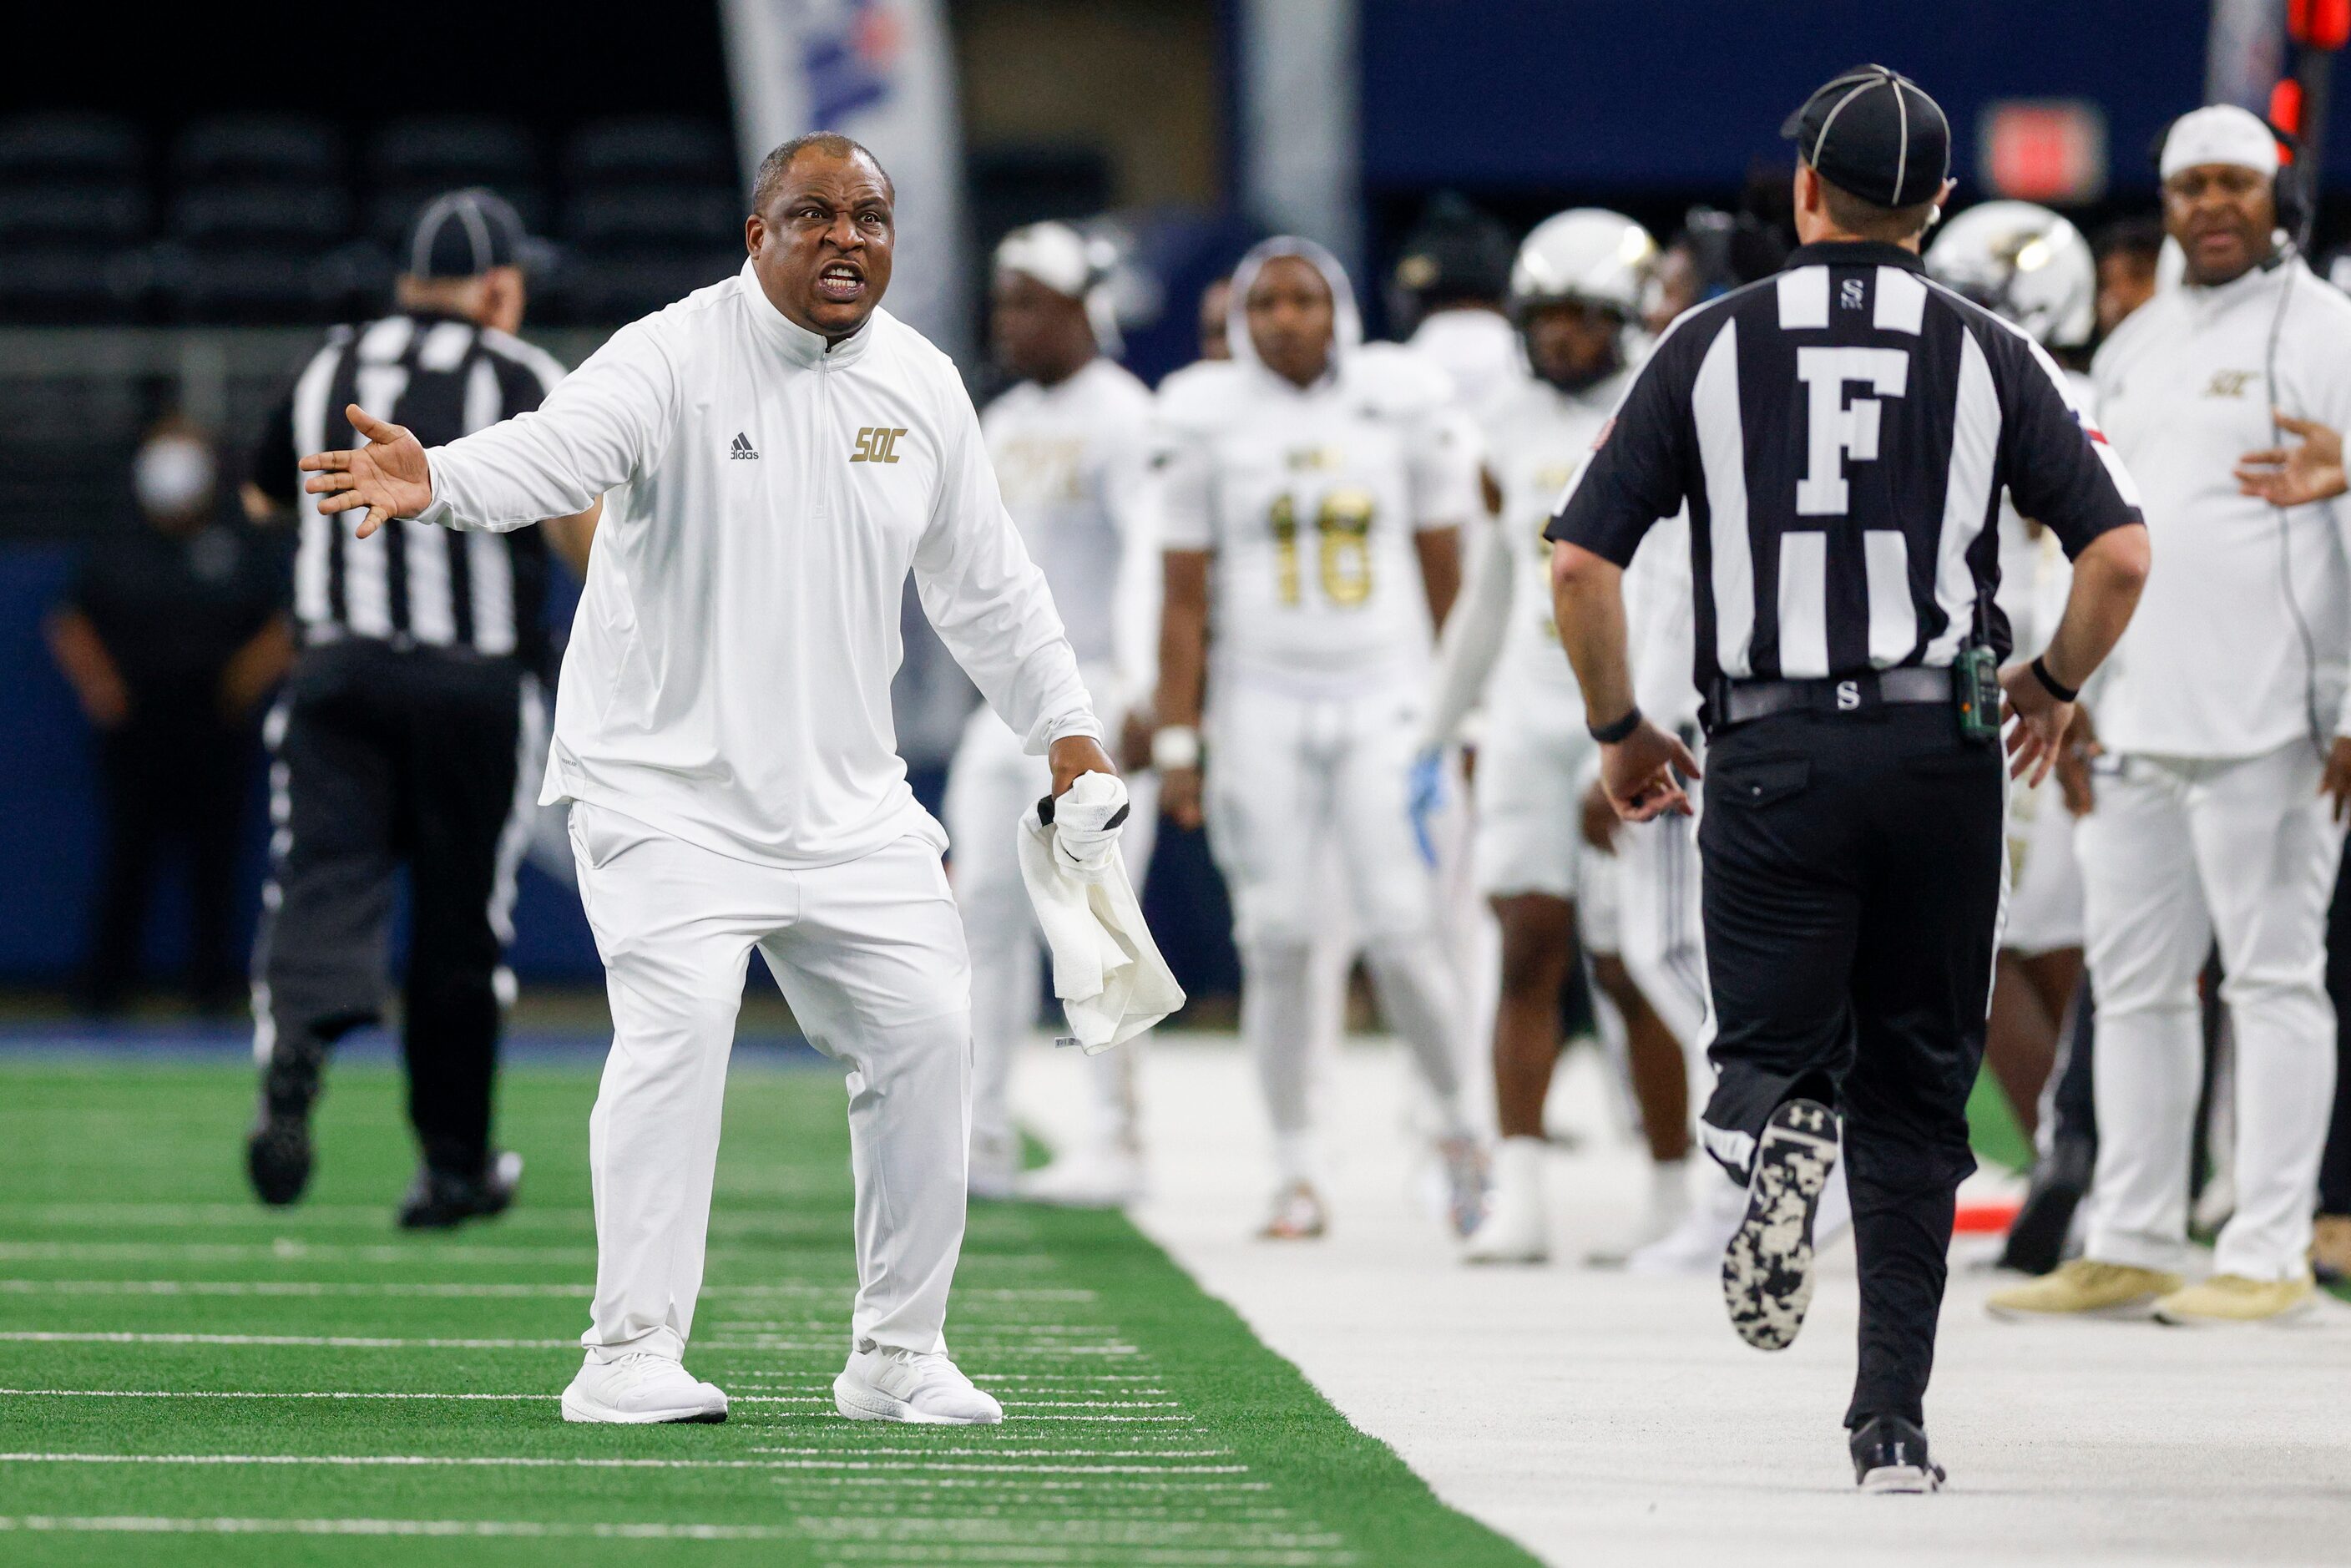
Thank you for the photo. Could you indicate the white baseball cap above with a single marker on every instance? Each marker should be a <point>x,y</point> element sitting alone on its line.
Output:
<point>1055,254</point>
<point>2222,133</point>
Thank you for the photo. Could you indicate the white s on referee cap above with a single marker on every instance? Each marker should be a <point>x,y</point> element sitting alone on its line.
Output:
<point>464,233</point>
<point>2222,133</point>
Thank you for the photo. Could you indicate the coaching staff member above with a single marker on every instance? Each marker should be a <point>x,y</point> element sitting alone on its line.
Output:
<point>412,729</point>
<point>1841,434</point>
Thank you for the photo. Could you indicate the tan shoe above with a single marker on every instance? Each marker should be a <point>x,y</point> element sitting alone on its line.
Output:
<point>2084,1288</point>
<point>1298,1215</point>
<point>2233,1299</point>
<point>2330,1246</point>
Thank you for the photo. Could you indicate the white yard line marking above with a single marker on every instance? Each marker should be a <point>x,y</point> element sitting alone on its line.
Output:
<point>1019,1454</point>
<point>147,1525</point>
<point>280,1287</point>
<point>328,1342</point>
<point>239,1393</point>
<point>449,1289</point>
<point>485,1461</point>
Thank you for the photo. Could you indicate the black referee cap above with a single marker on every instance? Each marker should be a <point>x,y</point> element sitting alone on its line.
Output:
<point>464,234</point>
<point>1874,132</point>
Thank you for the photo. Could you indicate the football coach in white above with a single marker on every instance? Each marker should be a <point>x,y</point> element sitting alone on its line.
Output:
<point>777,452</point>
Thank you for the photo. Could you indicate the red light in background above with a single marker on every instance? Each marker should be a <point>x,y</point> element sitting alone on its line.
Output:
<point>2044,149</point>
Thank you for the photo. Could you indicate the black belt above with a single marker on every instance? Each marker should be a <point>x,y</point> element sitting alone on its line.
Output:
<point>1741,702</point>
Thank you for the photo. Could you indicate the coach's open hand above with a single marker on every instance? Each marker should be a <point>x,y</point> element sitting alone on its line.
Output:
<point>388,475</point>
<point>2295,475</point>
<point>1075,754</point>
<point>1639,773</point>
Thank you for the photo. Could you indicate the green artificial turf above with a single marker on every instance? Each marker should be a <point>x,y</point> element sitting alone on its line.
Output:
<point>1147,1426</point>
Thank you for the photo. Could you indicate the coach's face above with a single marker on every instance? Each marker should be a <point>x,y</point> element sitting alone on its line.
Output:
<point>2222,215</point>
<point>821,245</point>
<point>1291,317</point>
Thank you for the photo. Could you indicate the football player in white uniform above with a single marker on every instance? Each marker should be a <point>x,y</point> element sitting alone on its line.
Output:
<point>1068,444</point>
<point>2037,271</point>
<point>1311,494</point>
<point>1576,296</point>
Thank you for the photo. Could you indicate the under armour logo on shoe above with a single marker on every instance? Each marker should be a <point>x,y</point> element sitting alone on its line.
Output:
<point>741,447</point>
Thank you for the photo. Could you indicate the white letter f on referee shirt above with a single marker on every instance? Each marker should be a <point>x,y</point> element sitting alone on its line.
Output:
<point>1838,430</point>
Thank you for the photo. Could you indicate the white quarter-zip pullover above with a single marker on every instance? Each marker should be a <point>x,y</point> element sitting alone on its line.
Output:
<point>728,676</point>
<point>2239,644</point>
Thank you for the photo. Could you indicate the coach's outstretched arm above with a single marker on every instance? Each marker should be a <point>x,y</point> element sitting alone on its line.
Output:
<point>1638,771</point>
<point>591,433</point>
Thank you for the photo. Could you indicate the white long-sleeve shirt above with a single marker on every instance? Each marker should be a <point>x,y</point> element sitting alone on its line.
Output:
<point>728,675</point>
<point>2239,643</point>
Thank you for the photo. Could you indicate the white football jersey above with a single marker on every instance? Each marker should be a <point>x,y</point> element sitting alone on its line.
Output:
<point>1537,437</point>
<point>1070,460</point>
<point>1309,499</point>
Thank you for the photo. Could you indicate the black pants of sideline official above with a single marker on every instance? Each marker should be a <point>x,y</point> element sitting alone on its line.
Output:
<point>1852,878</point>
<point>382,757</point>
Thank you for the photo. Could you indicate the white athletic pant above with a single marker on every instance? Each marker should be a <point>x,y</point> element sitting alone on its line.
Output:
<point>2174,853</point>
<point>990,783</point>
<point>1288,776</point>
<point>870,954</point>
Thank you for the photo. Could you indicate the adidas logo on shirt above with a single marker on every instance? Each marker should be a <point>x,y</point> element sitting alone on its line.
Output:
<point>741,447</point>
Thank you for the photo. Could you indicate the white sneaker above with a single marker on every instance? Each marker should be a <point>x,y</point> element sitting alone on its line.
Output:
<point>1833,1217</point>
<point>1515,1229</point>
<point>1099,1175</point>
<point>995,1166</point>
<point>1695,1246</point>
<point>1668,1202</point>
<point>886,1383</point>
<point>640,1390</point>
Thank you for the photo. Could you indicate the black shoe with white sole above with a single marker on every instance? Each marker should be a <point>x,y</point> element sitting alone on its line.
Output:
<point>1767,1270</point>
<point>277,1151</point>
<point>1889,1455</point>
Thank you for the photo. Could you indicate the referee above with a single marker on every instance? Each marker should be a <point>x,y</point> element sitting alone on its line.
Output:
<point>412,729</point>
<point>1840,435</point>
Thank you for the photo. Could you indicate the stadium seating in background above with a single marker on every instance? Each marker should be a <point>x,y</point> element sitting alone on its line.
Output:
<point>259,217</point>
<point>73,214</point>
<point>651,212</point>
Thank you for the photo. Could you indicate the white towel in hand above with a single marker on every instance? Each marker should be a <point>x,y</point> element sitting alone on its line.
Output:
<point>1112,982</point>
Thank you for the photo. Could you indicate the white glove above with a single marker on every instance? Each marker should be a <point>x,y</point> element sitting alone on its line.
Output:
<point>1086,819</point>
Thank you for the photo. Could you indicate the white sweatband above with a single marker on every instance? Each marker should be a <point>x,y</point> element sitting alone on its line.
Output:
<point>1177,745</point>
<point>2222,133</point>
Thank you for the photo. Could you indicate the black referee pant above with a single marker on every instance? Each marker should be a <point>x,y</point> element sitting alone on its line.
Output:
<point>1852,879</point>
<point>381,757</point>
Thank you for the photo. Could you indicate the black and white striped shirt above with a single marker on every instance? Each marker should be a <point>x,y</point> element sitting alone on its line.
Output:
<point>412,584</point>
<point>1842,434</point>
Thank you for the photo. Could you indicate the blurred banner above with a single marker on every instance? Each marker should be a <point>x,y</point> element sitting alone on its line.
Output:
<point>1300,92</point>
<point>877,70</point>
<point>2245,53</point>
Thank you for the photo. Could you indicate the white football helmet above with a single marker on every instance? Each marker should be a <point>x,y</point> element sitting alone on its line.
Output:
<point>2024,263</point>
<point>1587,254</point>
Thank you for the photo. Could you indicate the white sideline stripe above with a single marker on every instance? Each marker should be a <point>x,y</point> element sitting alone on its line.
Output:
<point>542,1463</point>
<point>149,1525</point>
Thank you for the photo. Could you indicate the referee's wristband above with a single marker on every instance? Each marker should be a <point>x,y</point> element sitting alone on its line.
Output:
<point>2049,683</point>
<point>1176,745</point>
<point>1611,734</point>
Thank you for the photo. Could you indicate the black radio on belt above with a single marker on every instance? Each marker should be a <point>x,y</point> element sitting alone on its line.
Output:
<point>1975,692</point>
